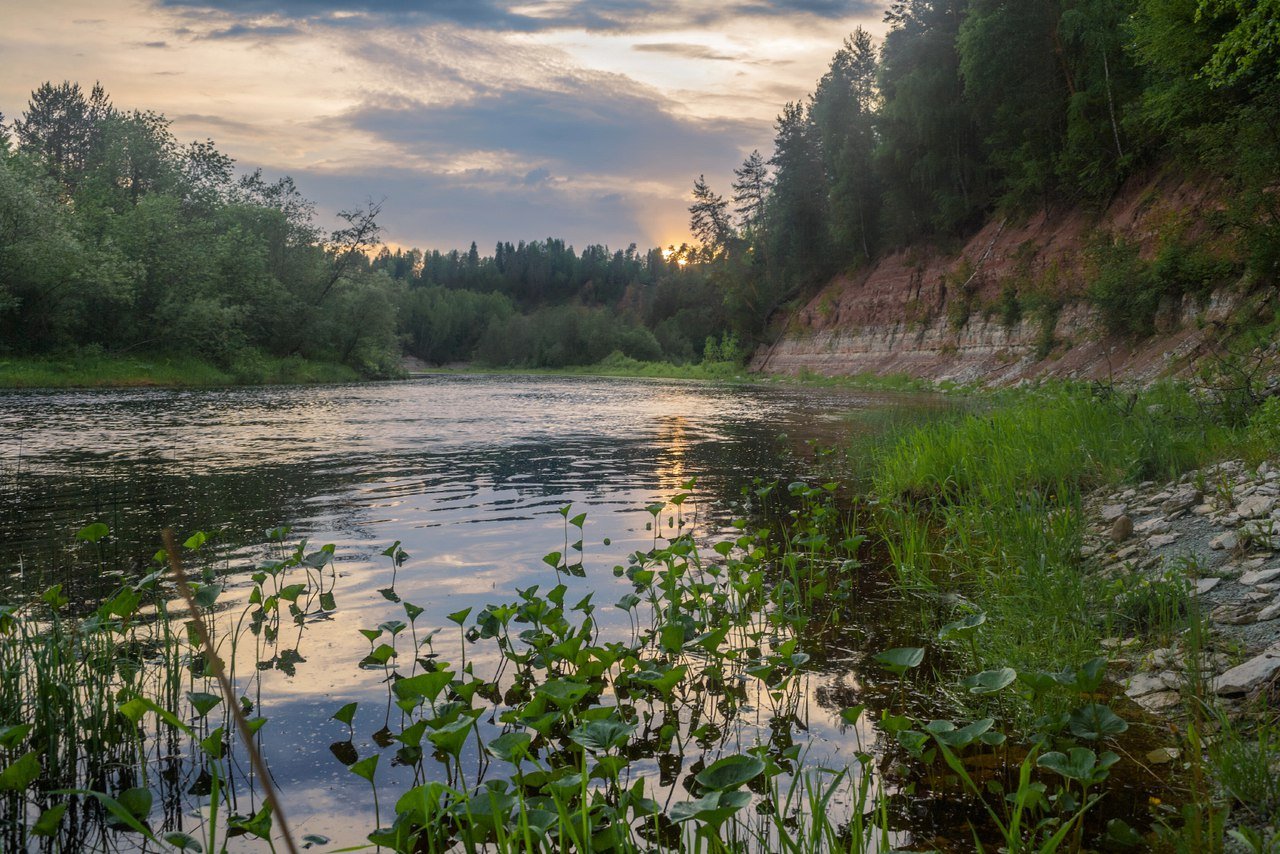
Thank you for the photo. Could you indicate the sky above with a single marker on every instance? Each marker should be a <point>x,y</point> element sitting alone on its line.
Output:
<point>480,120</point>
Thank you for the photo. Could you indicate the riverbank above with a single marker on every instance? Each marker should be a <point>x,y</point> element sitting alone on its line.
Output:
<point>100,370</point>
<point>1135,530</point>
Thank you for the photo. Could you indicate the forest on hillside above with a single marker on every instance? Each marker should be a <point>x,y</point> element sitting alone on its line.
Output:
<point>116,237</point>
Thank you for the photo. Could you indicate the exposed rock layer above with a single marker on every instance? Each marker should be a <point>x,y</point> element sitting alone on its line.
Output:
<point>939,315</point>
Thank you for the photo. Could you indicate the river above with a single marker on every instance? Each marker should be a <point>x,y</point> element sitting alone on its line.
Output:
<point>468,473</point>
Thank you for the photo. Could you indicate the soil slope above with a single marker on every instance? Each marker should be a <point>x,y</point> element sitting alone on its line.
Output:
<point>945,315</point>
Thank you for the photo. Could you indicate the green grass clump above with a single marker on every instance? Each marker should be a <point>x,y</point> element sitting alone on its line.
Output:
<point>985,508</point>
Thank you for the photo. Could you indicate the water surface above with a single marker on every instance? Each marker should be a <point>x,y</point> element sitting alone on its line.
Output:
<point>469,473</point>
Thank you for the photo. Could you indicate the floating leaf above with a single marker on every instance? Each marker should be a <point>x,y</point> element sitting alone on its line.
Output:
<point>346,714</point>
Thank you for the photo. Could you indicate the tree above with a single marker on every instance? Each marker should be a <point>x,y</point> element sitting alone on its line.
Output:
<point>929,151</point>
<point>61,127</point>
<point>843,113</point>
<point>750,188</point>
<point>709,220</point>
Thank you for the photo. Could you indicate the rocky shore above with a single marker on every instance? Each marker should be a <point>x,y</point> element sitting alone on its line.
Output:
<point>1210,542</point>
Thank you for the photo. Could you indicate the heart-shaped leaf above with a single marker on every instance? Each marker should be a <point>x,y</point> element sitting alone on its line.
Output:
<point>990,681</point>
<point>730,772</point>
<point>901,659</point>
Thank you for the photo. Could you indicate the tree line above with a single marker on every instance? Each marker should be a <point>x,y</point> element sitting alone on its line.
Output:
<point>116,237</point>
<point>970,107</point>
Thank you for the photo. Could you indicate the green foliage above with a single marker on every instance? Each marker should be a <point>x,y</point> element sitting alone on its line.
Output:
<point>561,337</point>
<point>112,235</point>
<point>1129,291</point>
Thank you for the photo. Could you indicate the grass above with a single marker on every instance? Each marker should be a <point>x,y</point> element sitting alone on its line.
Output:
<point>983,510</point>
<point>100,370</point>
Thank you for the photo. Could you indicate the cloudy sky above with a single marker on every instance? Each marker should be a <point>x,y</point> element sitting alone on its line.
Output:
<point>476,120</point>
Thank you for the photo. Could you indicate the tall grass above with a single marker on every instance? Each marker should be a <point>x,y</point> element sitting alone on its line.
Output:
<point>984,510</point>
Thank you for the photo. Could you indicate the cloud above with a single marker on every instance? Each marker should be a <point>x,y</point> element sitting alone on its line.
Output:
<point>692,51</point>
<point>254,31</point>
<point>201,120</point>
<point>593,125</point>
<point>536,177</point>
<point>538,16</point>
<point>155,45</point>
<point>447,211</point>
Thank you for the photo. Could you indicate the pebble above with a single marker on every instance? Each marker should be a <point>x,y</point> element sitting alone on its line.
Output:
<point>1159,541</point>
<point>1121,529</point>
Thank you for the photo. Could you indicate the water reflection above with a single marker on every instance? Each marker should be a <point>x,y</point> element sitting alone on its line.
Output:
<point>467,472</point>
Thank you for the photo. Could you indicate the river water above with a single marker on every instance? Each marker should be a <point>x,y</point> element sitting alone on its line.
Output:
<point>468,473</point>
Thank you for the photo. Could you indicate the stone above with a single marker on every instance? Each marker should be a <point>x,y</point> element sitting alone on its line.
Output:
<point>1158,525</point>
<point>1128,552</point>
<point>1121,529</point>
<point>1181,500</point>
<point>1236,614</point>
<point>1112,512</point>
<point>1256,506</point>
<point>1202,509</point>
<point>1164,658</point>
<point>1163,755</point>
<point>1270,612</point>
<point>1128,495</point>
<point>1228,541</point>
<point>1144,683</point>
<point>1161,701</point>
<point>1204,585</point>
<point>1260,576</point>
<point>1159,541</point>
<point>1243,678</point>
